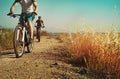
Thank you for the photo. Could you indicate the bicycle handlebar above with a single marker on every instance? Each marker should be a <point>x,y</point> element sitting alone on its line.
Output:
<point>14,15</point>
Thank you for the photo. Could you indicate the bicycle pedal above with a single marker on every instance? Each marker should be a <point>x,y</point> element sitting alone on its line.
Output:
<point>26,44</point>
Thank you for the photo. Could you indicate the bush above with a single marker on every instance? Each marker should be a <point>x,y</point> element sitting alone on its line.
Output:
<point>6,38</point>
<point>99,52</point>
<point>61,37</point>
<point>43,33</point>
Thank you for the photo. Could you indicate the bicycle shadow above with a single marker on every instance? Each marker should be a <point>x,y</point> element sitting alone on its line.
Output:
<point>7,54</point>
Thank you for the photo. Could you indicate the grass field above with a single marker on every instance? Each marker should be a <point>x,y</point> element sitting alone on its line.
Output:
<point>98,53</point>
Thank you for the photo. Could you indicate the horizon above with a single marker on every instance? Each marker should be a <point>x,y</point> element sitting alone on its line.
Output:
<point>71,15</point>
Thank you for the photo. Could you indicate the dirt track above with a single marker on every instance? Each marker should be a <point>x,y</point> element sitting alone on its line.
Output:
<point>44,62</point>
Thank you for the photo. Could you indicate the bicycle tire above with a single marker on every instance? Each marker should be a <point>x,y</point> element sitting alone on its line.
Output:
<point>19,46</point>
<point>30,44</point>
<point>39,35</point>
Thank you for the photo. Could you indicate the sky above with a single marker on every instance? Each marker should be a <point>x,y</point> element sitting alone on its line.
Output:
<point>70,15</point>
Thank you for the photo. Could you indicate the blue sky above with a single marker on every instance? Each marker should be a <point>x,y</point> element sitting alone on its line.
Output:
<point>70,15</point>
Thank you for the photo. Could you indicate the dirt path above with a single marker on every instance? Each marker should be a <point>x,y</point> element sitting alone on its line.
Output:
<point>43,63</point>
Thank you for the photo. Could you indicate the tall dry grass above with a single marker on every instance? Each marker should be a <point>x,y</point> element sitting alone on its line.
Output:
<point>6,38</point>
<point>99,52</point>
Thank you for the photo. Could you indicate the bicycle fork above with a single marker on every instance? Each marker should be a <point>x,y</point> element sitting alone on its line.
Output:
<point>18,32</point>
<point>23,37</point>
<point>23,34</point>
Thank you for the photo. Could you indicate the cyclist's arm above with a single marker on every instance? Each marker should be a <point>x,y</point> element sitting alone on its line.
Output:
<point>35,6</point>
<point>42,23</point>
<point>13,7</point>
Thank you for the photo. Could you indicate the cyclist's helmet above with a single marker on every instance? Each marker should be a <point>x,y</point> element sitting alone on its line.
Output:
<point>39,17</point>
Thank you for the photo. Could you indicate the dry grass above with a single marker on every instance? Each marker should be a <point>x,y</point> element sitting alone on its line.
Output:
<point>61,37</point>
<point>99,52</point>
<point>43,33</point>
<point>6,41</point>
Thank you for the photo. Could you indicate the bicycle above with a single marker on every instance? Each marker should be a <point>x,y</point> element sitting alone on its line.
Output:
<point>38,32</point>
<point>21,38</point>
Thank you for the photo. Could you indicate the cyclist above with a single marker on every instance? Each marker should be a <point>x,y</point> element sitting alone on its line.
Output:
<point>40,22</point>
<point>38,25</point>
<point>29,7</point>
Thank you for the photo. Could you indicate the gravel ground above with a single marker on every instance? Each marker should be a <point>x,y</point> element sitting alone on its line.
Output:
<point>44,62</point>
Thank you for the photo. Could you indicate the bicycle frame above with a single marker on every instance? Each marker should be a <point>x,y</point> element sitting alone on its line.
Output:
<point>23,28</point>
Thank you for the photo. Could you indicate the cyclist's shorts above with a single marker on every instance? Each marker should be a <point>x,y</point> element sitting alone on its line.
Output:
<point>23,16</point>
<point>38,27</point>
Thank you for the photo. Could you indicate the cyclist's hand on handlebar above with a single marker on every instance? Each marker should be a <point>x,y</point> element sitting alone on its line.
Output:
<point>34,13</point>
<point>43,26</point>
<point>9,14</point>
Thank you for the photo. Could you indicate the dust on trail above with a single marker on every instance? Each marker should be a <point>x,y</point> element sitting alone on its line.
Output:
<point>44,62</point>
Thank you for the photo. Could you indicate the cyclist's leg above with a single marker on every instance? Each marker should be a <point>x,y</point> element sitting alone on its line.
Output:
<point>30,28</point>
<point>30,19</point>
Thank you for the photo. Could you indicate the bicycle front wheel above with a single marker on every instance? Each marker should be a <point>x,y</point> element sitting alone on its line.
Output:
<point>19,45</point>
<point>38,35</point>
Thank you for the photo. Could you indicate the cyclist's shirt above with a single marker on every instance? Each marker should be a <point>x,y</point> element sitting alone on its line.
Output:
<point>27,5</point>
<point>39,22</point>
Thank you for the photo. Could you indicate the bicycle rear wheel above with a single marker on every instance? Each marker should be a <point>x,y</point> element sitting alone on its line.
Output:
<point>19,45</point>
<point>30,43</point>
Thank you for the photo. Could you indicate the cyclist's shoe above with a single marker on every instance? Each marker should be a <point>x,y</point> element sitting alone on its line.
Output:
<point>26,43</point>
<point>31,40</point>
